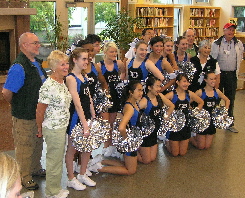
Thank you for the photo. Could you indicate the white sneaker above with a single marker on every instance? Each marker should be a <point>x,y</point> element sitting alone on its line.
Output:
<point>62,194</point>
<point>116,154</point>
<point>108,151</point>
<point>95,160</point>
<point>95,167</point>
<point>88,173</point>
<point>74,183</point>
<point>86,180</point>
<point>161,137</point>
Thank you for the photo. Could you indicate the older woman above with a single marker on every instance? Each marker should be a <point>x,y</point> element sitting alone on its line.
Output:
<point>204,62</point>
<point>10,183</point>
<point>52,118</point>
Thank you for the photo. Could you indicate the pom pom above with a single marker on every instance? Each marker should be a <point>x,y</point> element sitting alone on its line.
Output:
<point>175,122</point>
<point>102,100</point>
<point>129,144</point>
<point>187,68</point>
<point>220,118</point>
<point>99,133</point>
<point>199,120</point>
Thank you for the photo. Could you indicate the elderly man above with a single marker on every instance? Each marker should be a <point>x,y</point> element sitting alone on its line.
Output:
<point>21,90</point>
<point>192,49</point>
<point>228,51</point>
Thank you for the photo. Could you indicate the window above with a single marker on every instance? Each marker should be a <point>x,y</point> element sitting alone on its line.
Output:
<point>239,13</point>
<point>173,1</point>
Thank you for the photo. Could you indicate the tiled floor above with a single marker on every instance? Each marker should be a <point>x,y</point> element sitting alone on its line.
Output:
<point>215,173</point>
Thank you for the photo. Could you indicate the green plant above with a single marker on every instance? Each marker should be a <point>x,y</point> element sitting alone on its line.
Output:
<point>120,29</point>
<point>56,37</point>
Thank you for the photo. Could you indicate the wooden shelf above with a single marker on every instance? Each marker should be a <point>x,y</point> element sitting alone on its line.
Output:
<point>204,19</point>
<point>156,16</point>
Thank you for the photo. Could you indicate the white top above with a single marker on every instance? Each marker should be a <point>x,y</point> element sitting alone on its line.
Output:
<point>58,98</point>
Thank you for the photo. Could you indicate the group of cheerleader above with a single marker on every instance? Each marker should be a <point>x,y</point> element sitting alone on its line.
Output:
<point>148,97</point>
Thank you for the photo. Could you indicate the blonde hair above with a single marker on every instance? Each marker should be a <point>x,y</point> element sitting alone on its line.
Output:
<point>108,45</point>
<point>55,57</point>
<point>76,53</point>
<point>9,173</point>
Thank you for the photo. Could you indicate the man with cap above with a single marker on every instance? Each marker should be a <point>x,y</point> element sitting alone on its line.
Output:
<point>228,51</point>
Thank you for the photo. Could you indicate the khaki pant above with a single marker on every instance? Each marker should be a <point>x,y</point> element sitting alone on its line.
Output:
<point>28,147</point>
<point>56,141</point>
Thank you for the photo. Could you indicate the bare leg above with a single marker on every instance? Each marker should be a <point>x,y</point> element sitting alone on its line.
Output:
<point>173,147</point>
<point>84,162</point>
<point>198,141</point>
<point>147,154</point>
<point>112,163</point>
<point>183,146</point>
<point>69,159</point>
<point>209,140</point>
<point>128,169</point>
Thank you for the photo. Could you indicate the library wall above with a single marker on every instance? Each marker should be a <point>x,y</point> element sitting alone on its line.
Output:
<point>227,11</point>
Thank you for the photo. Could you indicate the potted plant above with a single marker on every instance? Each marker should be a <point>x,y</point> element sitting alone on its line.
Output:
<point>120,28</point>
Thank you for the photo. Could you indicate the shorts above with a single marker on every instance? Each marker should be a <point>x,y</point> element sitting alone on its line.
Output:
<point>183,134</point>
<point>150,140</point>
<point>131,154</point>
<point>211,130</point>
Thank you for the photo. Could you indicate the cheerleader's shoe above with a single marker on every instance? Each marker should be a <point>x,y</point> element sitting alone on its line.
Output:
<point>95,160</point>
<point>95,167</point>
<point>86,180</point>
<point>107,152</point>
<point>161,137</point>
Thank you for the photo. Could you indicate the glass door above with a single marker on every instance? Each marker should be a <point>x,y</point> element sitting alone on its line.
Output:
<point>80,21</point>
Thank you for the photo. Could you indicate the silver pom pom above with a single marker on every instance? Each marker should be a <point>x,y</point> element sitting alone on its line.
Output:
<point>186,68</point>
<point>99,133</point>
<point>102,100</point>
<point>175,122</point>
<point>220,118</point>
<point>129,144</point>
<point>167,80</point>
<point>147,125</point>
<point>199,120</point>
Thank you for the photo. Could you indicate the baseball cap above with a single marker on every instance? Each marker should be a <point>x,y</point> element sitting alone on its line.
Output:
<point>227,25</point>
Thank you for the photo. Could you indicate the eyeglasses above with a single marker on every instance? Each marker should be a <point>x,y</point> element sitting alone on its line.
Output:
<point>35,43</point>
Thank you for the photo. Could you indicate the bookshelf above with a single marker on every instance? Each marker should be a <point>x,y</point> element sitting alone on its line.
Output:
<point>204,19</point>
<point>157,16</point>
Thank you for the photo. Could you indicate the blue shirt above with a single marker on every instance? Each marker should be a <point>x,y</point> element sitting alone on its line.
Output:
<point>16,77</point>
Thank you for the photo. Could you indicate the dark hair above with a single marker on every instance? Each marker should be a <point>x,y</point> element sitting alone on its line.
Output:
<point>144,31</point>
<point>130,87</point>
<point>150,82</point>
<point>92,38</point>
<point>177,42</point>
<point>208,72</point>
<point>179,77</point>
<point>155,40</point>
<point>81,43</point>
<point>139,43</point>
<point>76,53</point>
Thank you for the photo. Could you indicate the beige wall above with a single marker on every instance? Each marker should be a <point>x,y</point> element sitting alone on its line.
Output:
<point>226,9</point>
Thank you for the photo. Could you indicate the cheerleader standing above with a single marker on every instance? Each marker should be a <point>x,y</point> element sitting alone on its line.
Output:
<point>180,54</point>
<point>81,110</point>
<point>139,67</point>
<point>152,104</point>
<point>177,143</point>
<point>211,98</point>
<point>114,71</point>
<point>161,63</point>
